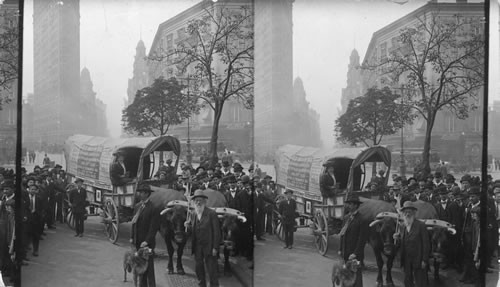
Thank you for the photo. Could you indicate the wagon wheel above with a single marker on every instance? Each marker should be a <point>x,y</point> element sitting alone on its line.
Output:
<point>70,219</point>
<point>320,231</point>
<point>111,219</point>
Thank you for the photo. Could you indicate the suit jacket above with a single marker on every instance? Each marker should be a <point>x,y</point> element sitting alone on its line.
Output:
<point>451,214</point>
<point>287,211</point>
<point>34,219</point>
<point>116,173</point>
<point>244,203</point>
<point>415,245</point>
<point>78,198</point>
<point>354,239</point>
<point>206,232</point>
<point>231,201</point>
<point>148,223</point>
<point>326,183</point>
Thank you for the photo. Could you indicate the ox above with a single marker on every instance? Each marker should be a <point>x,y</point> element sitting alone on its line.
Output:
<point>171,223</point>
<point>439,232</point>
<point>380,235</point>
<point>175,216</point>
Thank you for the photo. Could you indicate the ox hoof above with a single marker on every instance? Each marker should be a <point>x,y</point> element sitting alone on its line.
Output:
<point>181,272</point>
<point>170,271</point>
<point>380,284</point>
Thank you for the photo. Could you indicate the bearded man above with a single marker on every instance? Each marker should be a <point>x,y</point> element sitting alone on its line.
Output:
<point>415,247</point>
<point>206,239</point>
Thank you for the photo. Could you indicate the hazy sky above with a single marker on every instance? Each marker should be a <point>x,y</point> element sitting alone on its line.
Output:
<point>325,32</point>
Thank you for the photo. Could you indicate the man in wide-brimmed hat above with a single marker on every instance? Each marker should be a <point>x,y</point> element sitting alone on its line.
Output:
<point>415,247</point>
<point>145,224</point>
<point>353,236</point>
<point>206,239</point>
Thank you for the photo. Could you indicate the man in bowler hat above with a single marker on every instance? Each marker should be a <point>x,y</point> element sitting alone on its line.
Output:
<point>78,203</point>
<point>145,224</point>
<point>206,240</point>
<point>287,209</point>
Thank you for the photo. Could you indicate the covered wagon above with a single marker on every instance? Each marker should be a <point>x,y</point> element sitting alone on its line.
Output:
<point>301,170</point>
<point>90,158</point>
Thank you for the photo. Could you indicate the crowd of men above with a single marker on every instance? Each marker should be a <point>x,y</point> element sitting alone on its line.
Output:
<point>236,185</point>
<point>456,202</point>
<point>43,193</point>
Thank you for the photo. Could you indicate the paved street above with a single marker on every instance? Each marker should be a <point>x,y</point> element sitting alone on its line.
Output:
<point>93,261</point>
<point>304,266</point>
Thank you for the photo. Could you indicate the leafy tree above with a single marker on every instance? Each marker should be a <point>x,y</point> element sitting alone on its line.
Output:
<point>440,60</point>
<point>217,50</point>
<point>371,117</point>
<point>9,43</point>
<point>157,107</point>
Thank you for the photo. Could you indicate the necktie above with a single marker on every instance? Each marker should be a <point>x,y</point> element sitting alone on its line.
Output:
<point>136,216</point>
<point>33,208</point>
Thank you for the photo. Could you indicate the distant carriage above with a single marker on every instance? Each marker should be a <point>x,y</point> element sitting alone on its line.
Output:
<point>91,158</point>
<point>300,168</point>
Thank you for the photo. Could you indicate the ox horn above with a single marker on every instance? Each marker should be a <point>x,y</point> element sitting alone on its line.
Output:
<point>451,230</point>
<point>373,223</point>
<point>387,214</point>
<point>165,210</point>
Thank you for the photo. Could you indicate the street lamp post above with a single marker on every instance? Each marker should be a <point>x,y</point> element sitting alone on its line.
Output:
<point>189,155</point>
<point>402,163</point>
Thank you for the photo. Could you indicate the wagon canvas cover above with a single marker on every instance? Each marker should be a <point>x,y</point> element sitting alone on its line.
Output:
<point>90,157</point>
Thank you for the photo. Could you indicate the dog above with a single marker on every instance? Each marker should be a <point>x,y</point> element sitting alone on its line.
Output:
<point>344,275</point>
<point>136,262</point>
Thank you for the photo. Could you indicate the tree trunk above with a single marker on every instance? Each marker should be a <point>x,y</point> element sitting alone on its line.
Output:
<point>215,134</point>
<point>426,167</point>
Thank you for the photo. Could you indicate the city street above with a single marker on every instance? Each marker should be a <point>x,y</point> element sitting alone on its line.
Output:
<point>304,266</point>
<point>92,260</point>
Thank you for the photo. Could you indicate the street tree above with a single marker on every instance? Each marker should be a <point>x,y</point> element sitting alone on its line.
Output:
<point>217,52</point>
<point>9,51</point>
<point>372,116</point>
<point>440,61</point>
<point>157,107</point>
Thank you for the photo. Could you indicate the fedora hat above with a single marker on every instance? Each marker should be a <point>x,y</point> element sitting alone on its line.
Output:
<point>288,191</point>
<point>408,205</point>
<point>199,193</point>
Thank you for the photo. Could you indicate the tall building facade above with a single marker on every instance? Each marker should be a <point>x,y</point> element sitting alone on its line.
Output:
<point>139,78</point>
<point>235,125</point>
<point>273,76</point>
<point>354,86</point>
<point>465,136</point>
<point>56,38</point>
<point>304,119</point>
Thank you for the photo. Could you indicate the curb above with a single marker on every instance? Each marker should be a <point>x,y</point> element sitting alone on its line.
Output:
<point>244,276</point>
